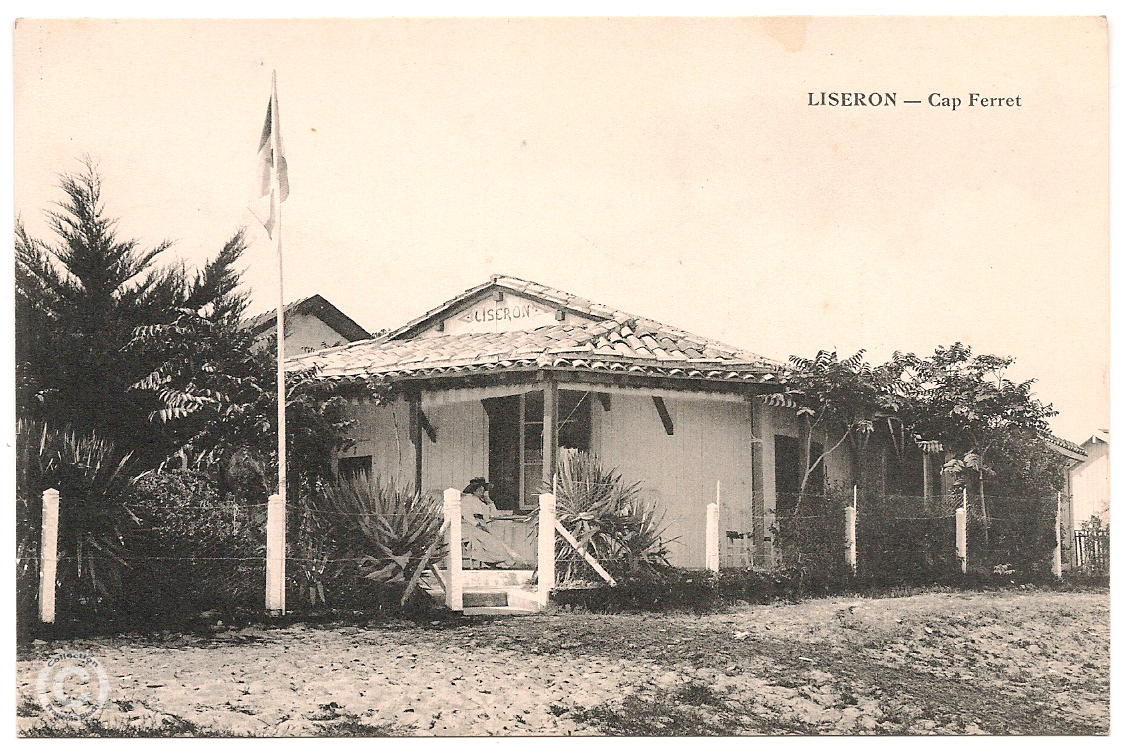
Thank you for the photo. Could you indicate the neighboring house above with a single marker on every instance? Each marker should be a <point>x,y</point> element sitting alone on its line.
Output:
<point>1070,520</point>
<point>1090,481</point>
<point>310,324</point>
<point>497,380</point>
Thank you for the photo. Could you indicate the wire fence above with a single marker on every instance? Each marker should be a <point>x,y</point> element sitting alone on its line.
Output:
<point>199,557</point>
<point>194,558</point>
<point>907,536</point>
<point>897,536</point>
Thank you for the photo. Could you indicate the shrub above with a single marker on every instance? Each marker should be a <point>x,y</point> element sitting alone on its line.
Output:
<point>609,518</point>
<point>810,538</point>
<point>374,536</point>
<point>1021,535</point>
<point>653,589</point>
<point>698,591</point>
<point>192,551</point>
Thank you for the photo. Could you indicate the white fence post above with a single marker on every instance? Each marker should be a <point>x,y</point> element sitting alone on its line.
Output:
<point>48,555</point>
<point>1057,553</point>
<point>850,538</point>
<point>546,547</point>
<point>275,555</point>
<point>960,536</point>
<point>711,534</point>
<point>711,539</point>
<point>451,507</point>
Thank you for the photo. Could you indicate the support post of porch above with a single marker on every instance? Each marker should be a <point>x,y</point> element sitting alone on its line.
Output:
<point>928,502</point>
<point>550,430</point>
<point>416,439</point>
<point>546,548</point>
<point>758,496</point>
<point>451,508</point>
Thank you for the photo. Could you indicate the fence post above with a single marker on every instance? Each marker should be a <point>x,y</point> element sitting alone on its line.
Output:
<point>48,555</point>
<point>451,508</point>
<point>711,539</point>
<point>1057,552</point>
<point>275,555</point>
<point>546,547</point>
<point>960,536</point>
<point>850,537</point>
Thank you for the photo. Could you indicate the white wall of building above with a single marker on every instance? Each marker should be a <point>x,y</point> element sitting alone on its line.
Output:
<point>1090,484</point>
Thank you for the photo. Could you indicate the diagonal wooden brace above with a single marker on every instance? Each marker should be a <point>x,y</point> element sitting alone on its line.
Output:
<point>422,564</point>
<point>586,556</point>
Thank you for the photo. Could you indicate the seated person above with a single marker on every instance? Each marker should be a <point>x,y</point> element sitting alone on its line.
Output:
<point>477,509</point>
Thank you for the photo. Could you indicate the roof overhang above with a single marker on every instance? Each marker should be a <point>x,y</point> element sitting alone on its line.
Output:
<point>506,381</point>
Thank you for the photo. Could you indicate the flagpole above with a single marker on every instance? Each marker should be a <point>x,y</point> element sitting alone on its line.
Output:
<point>276,583</point>
<point>281,367</point>
<point>281,387</point>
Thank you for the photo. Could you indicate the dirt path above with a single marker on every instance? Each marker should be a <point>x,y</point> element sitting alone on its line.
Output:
<point>1020,662</point>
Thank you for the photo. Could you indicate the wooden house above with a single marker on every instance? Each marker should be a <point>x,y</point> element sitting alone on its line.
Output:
<point>496,381</point>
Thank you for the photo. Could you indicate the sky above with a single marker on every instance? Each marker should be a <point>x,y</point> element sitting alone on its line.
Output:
<point>672,168</point>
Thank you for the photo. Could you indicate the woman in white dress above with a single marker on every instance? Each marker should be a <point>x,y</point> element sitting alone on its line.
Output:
<point>477,509</point>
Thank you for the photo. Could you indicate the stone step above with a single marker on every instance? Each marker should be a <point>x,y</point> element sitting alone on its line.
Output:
<point>487,598</point>
<point>491,577</point>
<point>498,611</point>
<point>479,600</point>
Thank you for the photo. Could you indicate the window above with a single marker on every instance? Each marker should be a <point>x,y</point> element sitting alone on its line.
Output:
<point>905,473</point>
<point>787,468</point>
<point>352,467</point>
<point>531,459</point>
<point>789,471</point>
<point>574,420</point>
<point>516,442</point>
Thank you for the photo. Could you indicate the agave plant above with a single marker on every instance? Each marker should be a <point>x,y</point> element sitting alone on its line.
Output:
<point>93,482</point>
<point>380,528</point>
<point>609,518</point>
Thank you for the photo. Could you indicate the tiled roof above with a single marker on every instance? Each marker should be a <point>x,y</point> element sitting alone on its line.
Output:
<point>617,344</point>
<point>1064,444</point>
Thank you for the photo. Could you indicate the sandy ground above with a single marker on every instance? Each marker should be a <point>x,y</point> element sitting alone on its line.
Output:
<point>1020,662</point>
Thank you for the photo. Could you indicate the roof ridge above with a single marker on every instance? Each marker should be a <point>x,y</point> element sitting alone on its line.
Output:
<point>272,313</point>
<point>583,306</point>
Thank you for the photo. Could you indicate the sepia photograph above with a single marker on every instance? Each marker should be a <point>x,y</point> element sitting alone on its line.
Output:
<point>561,376</point>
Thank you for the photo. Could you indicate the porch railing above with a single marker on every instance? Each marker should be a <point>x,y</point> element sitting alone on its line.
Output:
<point>548,527</point>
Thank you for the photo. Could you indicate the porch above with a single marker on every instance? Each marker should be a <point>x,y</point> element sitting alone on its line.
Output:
<point>677,443</point>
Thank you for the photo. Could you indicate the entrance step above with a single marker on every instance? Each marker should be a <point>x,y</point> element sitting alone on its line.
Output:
<point>492,577</point>
<point>488,592</point>
<point>496,598</point>
<point>497,611</point>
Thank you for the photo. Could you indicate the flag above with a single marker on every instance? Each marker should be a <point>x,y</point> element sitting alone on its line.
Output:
<point>272,171</point>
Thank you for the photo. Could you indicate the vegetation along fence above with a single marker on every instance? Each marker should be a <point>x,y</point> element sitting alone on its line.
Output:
<point>364,544</point>
<point>894,537</point>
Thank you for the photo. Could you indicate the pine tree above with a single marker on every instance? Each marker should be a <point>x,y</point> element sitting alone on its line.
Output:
<point>79,299</point>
